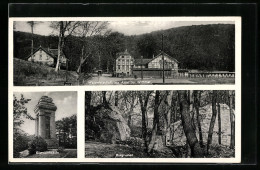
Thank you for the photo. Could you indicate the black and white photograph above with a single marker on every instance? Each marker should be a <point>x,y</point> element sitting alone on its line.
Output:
<point>160,124</point>
<point>45,124</point>
<point>123,51</point>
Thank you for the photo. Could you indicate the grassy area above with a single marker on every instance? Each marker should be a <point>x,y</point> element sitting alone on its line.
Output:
<point>27,73</point>
<point>67,153</point>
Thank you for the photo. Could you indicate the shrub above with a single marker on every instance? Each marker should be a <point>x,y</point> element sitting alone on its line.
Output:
<point>60,149</point>
<point>37,144</point>
<point>19,144</point>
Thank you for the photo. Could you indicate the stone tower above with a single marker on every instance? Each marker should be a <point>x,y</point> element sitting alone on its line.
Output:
<point>45,121</point>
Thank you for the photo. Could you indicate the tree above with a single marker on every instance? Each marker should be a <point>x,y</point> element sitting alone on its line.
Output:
<point>232,119</point>
<point>65,29</point>
<point>31,23</point>
<point>197,97</point>
<point>147,46</point>
<point>190,134</point>
<point>20,139</point>
<point>67,129</point>
<point>213,118</point>
<point>143,99</point>
<point>156,127</point>
<point>89,29</point>
<point>219,116</point>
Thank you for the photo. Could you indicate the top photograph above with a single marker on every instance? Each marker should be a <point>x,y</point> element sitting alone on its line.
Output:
<point>123,51</point>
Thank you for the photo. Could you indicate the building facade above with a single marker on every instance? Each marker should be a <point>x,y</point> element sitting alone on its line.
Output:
<point>154,67</point>
<point>47,57</point>
<point>124,64</point>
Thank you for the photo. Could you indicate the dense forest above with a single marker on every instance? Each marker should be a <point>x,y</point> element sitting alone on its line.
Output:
<point>203,47</point>
<point>160,123</point>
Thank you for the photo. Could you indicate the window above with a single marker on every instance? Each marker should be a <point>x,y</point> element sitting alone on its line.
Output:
<point>47,127</point>
<point>118,67</point>
<point>123,56</point>
<point>40,58</point>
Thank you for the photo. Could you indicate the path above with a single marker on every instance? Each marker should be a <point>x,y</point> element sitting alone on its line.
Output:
<point>107,79</point>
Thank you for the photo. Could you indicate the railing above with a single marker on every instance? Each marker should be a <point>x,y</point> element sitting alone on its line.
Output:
<point>207,74</point>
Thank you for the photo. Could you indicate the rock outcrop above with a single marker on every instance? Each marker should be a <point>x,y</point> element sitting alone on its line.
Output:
<point>112,126</point>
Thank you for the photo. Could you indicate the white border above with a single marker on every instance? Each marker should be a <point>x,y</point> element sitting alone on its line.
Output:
<point>81,92</point>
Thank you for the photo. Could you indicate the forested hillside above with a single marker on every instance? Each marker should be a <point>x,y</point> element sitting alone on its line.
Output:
<point>203,47</point>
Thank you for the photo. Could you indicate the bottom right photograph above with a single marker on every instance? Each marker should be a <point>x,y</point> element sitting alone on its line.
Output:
<point>160,124</point>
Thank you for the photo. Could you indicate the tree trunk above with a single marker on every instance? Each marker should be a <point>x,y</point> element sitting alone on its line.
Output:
<point>116,98</point>
<point>88,102</point>
<point>187,126</point>
<point>196,105</point>
<point>232,121</point>
<point>143,109</point>
<point>213,119</point>
<point>156,127</point>
<point>61,36</point>
<point>32,24</point>
<point>219,122</point>
<point>104,97</point>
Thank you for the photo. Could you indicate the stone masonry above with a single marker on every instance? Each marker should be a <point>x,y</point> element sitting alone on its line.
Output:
<point>45,121</point>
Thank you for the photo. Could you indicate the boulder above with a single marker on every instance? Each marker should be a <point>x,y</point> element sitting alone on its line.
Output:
<point>114,127</point>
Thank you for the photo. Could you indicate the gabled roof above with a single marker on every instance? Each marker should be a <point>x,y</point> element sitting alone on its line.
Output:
<point>51,52</point>
<point>165,54</point>
<point>123,53</point>
<point>140,62</point>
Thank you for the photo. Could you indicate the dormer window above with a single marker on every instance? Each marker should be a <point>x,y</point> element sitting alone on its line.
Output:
<point>123,56</point>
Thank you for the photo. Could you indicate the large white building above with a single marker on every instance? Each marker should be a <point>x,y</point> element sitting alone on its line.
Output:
<point>124,64</point>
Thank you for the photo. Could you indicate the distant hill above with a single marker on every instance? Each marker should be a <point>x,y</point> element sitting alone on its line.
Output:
<point>203,47</point>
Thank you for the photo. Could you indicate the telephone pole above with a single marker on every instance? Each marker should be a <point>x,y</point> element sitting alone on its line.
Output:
<point>142,67</point>
<point>163,61</point>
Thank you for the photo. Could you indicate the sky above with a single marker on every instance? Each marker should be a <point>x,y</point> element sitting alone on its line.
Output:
<point>66,103</point>
<point>125,27</point>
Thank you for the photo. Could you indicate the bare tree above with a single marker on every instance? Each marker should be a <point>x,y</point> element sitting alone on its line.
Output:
<point>197,97</point>
<point>65,28</point>
<point>32,25</point>
<point>232,120</point>
<point>88,29</point>
<point>213,119</point>
<point>190,134</point>
<point>143,99</point>
<point>219,116</point>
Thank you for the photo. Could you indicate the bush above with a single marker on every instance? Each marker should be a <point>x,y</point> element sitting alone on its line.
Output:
<point>37,144</point>
<point>20,143</point>
<point>60,149</point>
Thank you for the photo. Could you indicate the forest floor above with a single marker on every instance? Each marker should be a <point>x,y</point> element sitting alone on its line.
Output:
<point>95,149</point>
<point>105,150</point>
<point>107,79</point>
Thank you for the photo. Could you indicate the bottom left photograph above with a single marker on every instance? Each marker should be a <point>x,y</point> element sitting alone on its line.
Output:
<point>45,124</point>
